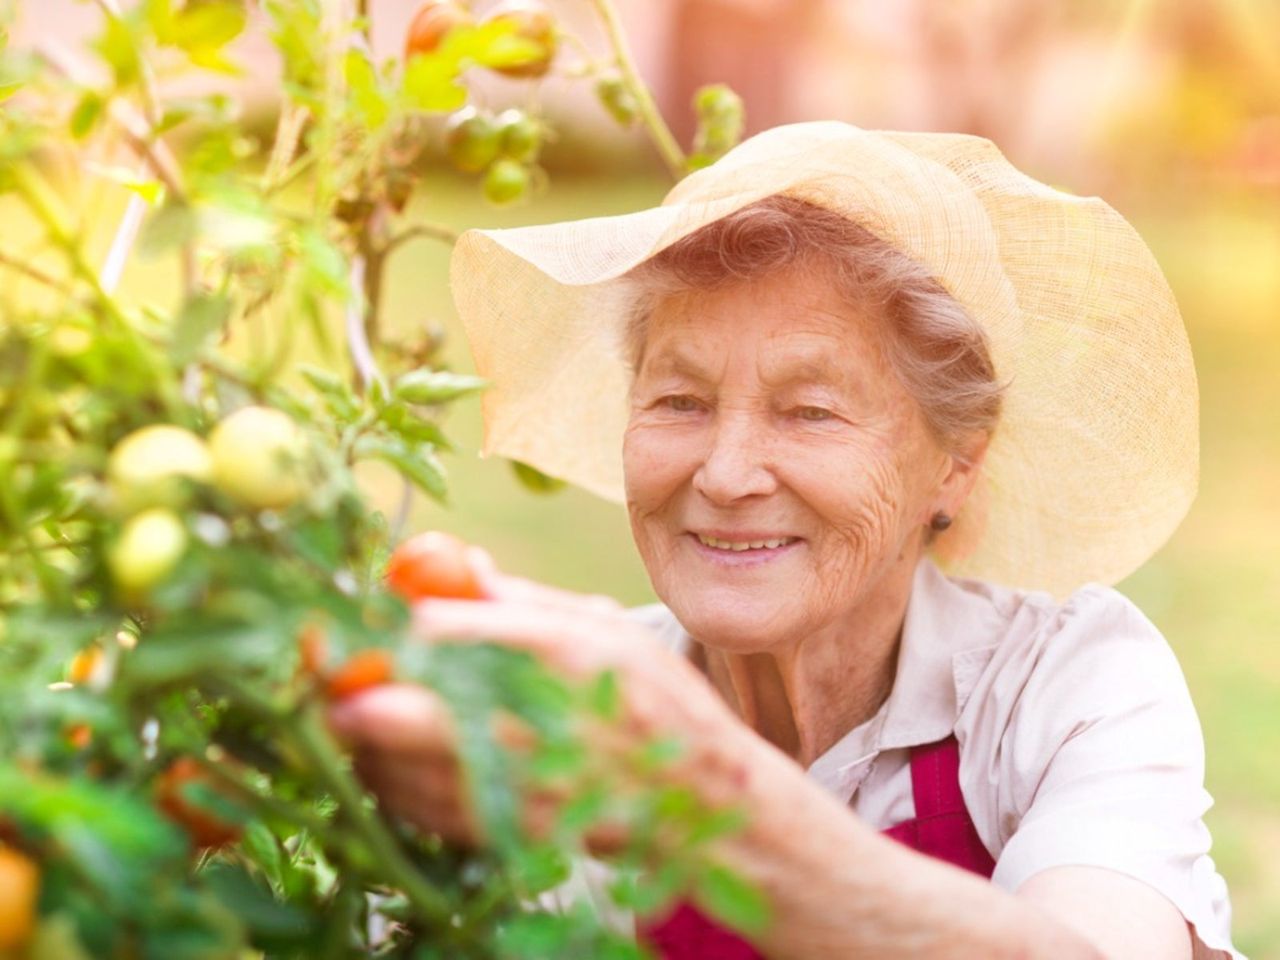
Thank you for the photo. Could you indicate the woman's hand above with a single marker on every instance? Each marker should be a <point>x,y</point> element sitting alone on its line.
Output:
<point>404,742</point>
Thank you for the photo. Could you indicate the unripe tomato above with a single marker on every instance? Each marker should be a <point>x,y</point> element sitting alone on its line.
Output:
<point>205,829</point>
<point>617,99</point>
<point>532,22</point>
<point>148,466</point>
<point>471,140</point>
<point>363,670</point>
<point>149,547</point>
<point>520,135</point>
<point>257,457</point>
<point>433,564</point>
<point>431,24</point>
<point>506,181</point>
<point>19,889</point>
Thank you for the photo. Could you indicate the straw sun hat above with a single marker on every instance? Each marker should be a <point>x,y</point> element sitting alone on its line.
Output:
<point>1095,459</point>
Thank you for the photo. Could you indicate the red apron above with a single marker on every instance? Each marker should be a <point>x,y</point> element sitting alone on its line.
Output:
<point>942,829</point>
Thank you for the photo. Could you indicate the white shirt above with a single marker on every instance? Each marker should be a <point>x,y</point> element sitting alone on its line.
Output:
<point>1079,743</point>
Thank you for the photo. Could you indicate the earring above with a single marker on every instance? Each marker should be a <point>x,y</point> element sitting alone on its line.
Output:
<point>940,521</point>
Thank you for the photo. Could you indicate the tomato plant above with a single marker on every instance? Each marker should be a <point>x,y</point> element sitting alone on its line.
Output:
<point>189,572</point>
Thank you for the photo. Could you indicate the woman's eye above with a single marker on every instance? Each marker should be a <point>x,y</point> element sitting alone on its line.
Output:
<point>814,414</point>
<point>680,403</point>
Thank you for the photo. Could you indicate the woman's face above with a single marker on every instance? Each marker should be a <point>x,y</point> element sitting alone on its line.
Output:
<point>765,414</point>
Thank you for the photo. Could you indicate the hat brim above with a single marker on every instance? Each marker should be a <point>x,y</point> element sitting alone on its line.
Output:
<point>1095,461</point>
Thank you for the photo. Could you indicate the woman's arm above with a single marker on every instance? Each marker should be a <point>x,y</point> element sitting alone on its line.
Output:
<point>841,889</point>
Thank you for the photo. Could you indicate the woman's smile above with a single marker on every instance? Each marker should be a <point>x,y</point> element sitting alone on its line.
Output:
<point>742,550</point>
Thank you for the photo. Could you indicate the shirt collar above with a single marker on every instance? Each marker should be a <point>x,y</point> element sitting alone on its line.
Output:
<point>950,632</point>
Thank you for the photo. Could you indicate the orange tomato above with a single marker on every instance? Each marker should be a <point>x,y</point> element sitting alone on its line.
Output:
<point>19,889</point>
<point>205,829</point>
<point>79,735</point>
<point>362,671</point>
<point>83,665</point>
<point>431,24</point>
<point>433,564</point>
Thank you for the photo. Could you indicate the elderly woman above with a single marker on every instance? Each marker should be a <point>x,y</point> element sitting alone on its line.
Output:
<point>825,370</point>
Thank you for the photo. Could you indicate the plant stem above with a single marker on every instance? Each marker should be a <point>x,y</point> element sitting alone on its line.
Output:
<point>663,139</point>
<point>316,743</point>
<point>435,231</point>
<point>53,283</point>
<point>306,729</point>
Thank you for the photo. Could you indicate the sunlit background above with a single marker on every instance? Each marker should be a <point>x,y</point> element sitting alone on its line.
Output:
<point>1169,109</point>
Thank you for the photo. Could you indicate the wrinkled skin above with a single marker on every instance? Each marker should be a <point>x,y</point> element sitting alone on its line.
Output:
<point>769,409</point>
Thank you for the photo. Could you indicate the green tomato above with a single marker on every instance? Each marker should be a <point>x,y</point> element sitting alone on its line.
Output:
<point>471,140</point>
<point>617,99</point>
<point>521,135</point>
<point>258,457</point>
<point>147,468</point>
<point>149,547</point>
<point>507,180</point>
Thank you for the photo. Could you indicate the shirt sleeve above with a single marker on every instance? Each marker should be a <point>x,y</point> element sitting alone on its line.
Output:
<point>1101,761</point>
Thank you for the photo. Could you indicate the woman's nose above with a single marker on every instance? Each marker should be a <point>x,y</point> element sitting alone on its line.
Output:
<point>737,462</point>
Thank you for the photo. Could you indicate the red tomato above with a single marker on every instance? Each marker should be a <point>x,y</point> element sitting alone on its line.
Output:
<point>433,564</point>
<point>205,829</point>
<point>364,670</point>
<point>431,24</point>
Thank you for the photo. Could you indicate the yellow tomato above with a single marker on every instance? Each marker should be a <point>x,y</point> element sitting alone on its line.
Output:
<point>147,467</point>
<point>257,457</point>
<point>149,547</point>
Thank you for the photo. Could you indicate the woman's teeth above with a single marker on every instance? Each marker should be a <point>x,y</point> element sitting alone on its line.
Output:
<point>745,544</point>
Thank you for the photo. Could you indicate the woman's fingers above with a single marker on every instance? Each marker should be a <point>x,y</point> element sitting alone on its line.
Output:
<point>505,587</point>
<point>404,718</point>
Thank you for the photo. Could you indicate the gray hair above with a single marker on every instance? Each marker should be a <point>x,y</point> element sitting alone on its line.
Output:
<point>938,351</point>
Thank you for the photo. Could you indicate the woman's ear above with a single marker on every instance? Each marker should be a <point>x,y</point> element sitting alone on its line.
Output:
<point>965,464</point>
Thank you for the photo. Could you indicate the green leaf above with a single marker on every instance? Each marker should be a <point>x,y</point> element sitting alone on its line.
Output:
<point>119,47</point>
<point>265,917</point>
<point>419,465</point>
<point>436,386</point>
<point>494,43</point>
<point>336,393</point>
<point>203,30</point>
<point>531,478</point>
<point>201,318</point>
<point>604,695</point>
<point>88,110</point>
<point>323,263</point>
<point>149,189</point>
<point>730,899</point>
<point>431,83</point>
<point>367,95</point>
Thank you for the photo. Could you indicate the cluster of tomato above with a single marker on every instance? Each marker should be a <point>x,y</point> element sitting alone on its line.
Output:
<point>431,564</point>
<point>255,456</point>
<point>504,147</point>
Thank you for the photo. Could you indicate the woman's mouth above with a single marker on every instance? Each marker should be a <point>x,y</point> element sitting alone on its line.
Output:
<point>739,546</point>
<point>740,551</point>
